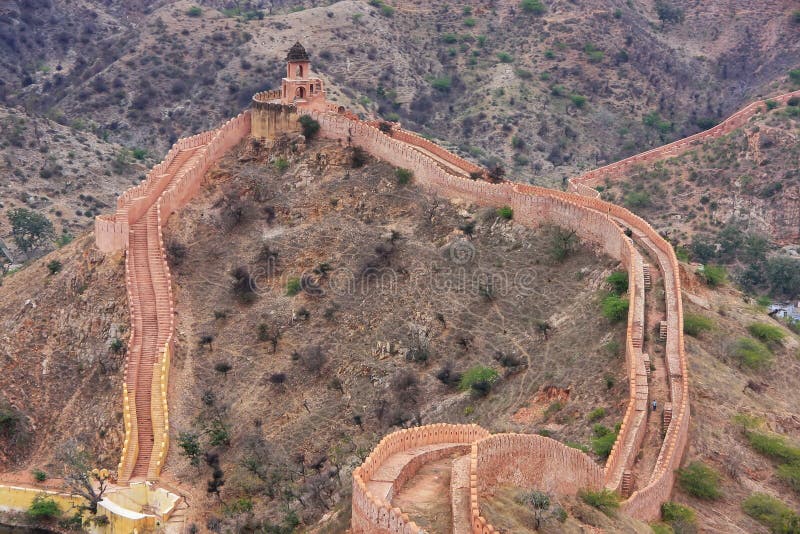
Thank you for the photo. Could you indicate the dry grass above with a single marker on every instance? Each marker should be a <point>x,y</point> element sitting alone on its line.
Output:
<point>340,404</point>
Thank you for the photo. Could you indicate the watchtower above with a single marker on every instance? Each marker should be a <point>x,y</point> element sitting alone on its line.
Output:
<point>276,112</point>
<point>298,87</point>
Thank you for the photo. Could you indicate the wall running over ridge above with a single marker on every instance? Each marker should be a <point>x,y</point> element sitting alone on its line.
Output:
<point>737,120</point>
<point>166,194</point>
<point>593,220</point>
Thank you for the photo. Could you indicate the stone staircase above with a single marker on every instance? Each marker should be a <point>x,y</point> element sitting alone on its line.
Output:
<point>666,418</point>
<point>648,280</point>
<point>152,319</point>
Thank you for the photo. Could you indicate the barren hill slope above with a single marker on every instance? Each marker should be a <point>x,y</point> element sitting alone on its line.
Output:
<point>394,302</point>
<point>60,366</point>
<point>545,94</point>
<point>67,173</point>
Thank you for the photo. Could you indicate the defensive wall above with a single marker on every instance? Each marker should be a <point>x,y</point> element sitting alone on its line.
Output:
<point>374,514</point>
<point>593,220</point>
<point>737,120</point>
<point>165,192</point>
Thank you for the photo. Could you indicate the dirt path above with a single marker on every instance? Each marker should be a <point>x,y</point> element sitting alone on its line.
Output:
<point>426,497</point>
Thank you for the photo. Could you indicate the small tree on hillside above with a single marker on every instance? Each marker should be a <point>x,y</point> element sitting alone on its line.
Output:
<point>309,126</point>
<point>83,480</point>
<point>29,228</point>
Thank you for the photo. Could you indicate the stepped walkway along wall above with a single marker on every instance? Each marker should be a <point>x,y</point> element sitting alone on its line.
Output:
<point>136,226</point>
<point>488,460</point>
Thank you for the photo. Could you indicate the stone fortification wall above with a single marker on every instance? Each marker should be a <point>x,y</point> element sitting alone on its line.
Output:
<point>167,188</point>
<point>526,461</point>
<point>433,148</point>
<point>374,514</point>
<point>737,120</point>
<point>593,220</point>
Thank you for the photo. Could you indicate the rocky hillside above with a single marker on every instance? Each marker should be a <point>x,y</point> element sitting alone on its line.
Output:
<point>733,200</point>
<point>545,94</point>
<point>322,302</point>
<point>321,306</point>
<point>65,172</point>
<point>64,324</point>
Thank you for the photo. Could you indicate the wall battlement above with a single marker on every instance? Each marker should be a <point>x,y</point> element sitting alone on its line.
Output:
<point>137,227</point>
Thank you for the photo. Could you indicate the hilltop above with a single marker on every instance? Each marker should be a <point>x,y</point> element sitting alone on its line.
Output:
<point>545,95</point>
<point>397,295</point>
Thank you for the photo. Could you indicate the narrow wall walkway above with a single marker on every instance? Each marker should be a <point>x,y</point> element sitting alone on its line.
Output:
<point>152,318</point>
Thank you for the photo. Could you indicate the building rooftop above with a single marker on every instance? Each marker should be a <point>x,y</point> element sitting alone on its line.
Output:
<point>297,53</point>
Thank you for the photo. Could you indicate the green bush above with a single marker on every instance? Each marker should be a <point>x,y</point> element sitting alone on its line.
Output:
<point>117,345</point>
<point>309,126</point>
<point>700,480</point>
<point>794,75</point>
<point>694,324</point>
<point>293,286</point>
<point>29,228</point>
<point>476,375</point>
<point>672,511</point>
<point>769,334</point>
<point>578,100</point>
<point>281,164</point>
<point>470,22</point>
<point>637,199</point>
<point>597,413</point>
<point>713,275</point>
<point>54,266</point>
<point>43,507</point>
<point>618,280</point>
<point>505,57</point>
<point>615,308</point>
<point>605,500</point>
<point>194,11</point>
<point>751,353</point>
<point>442,84</point>
<point>506,212</point>
<point>603,441</point>
<point>189,443</point>
<point>39,475</point>
<point>773,513</point>
<point>790,473</point>
<point>534,7</point>
<point>774,446</point>
<point>449,38</point>
<point>404,176</point>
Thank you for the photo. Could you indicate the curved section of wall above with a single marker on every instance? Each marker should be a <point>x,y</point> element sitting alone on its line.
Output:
<point>593,220</point>
<point>373,514</point>
<point>527,461</point>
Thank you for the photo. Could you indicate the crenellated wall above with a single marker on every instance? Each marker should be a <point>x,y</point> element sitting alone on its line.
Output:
<point>375,515</point>
<point>737,120</point>
<point>595,221</point>
<point>523,460</point>
<point>527,461</point>
<point>167,188</point>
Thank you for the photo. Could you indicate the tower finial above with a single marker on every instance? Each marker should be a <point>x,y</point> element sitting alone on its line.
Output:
<point>297,53</point>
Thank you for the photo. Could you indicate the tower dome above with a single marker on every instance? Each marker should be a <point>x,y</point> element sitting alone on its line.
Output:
<point>297,53</point>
